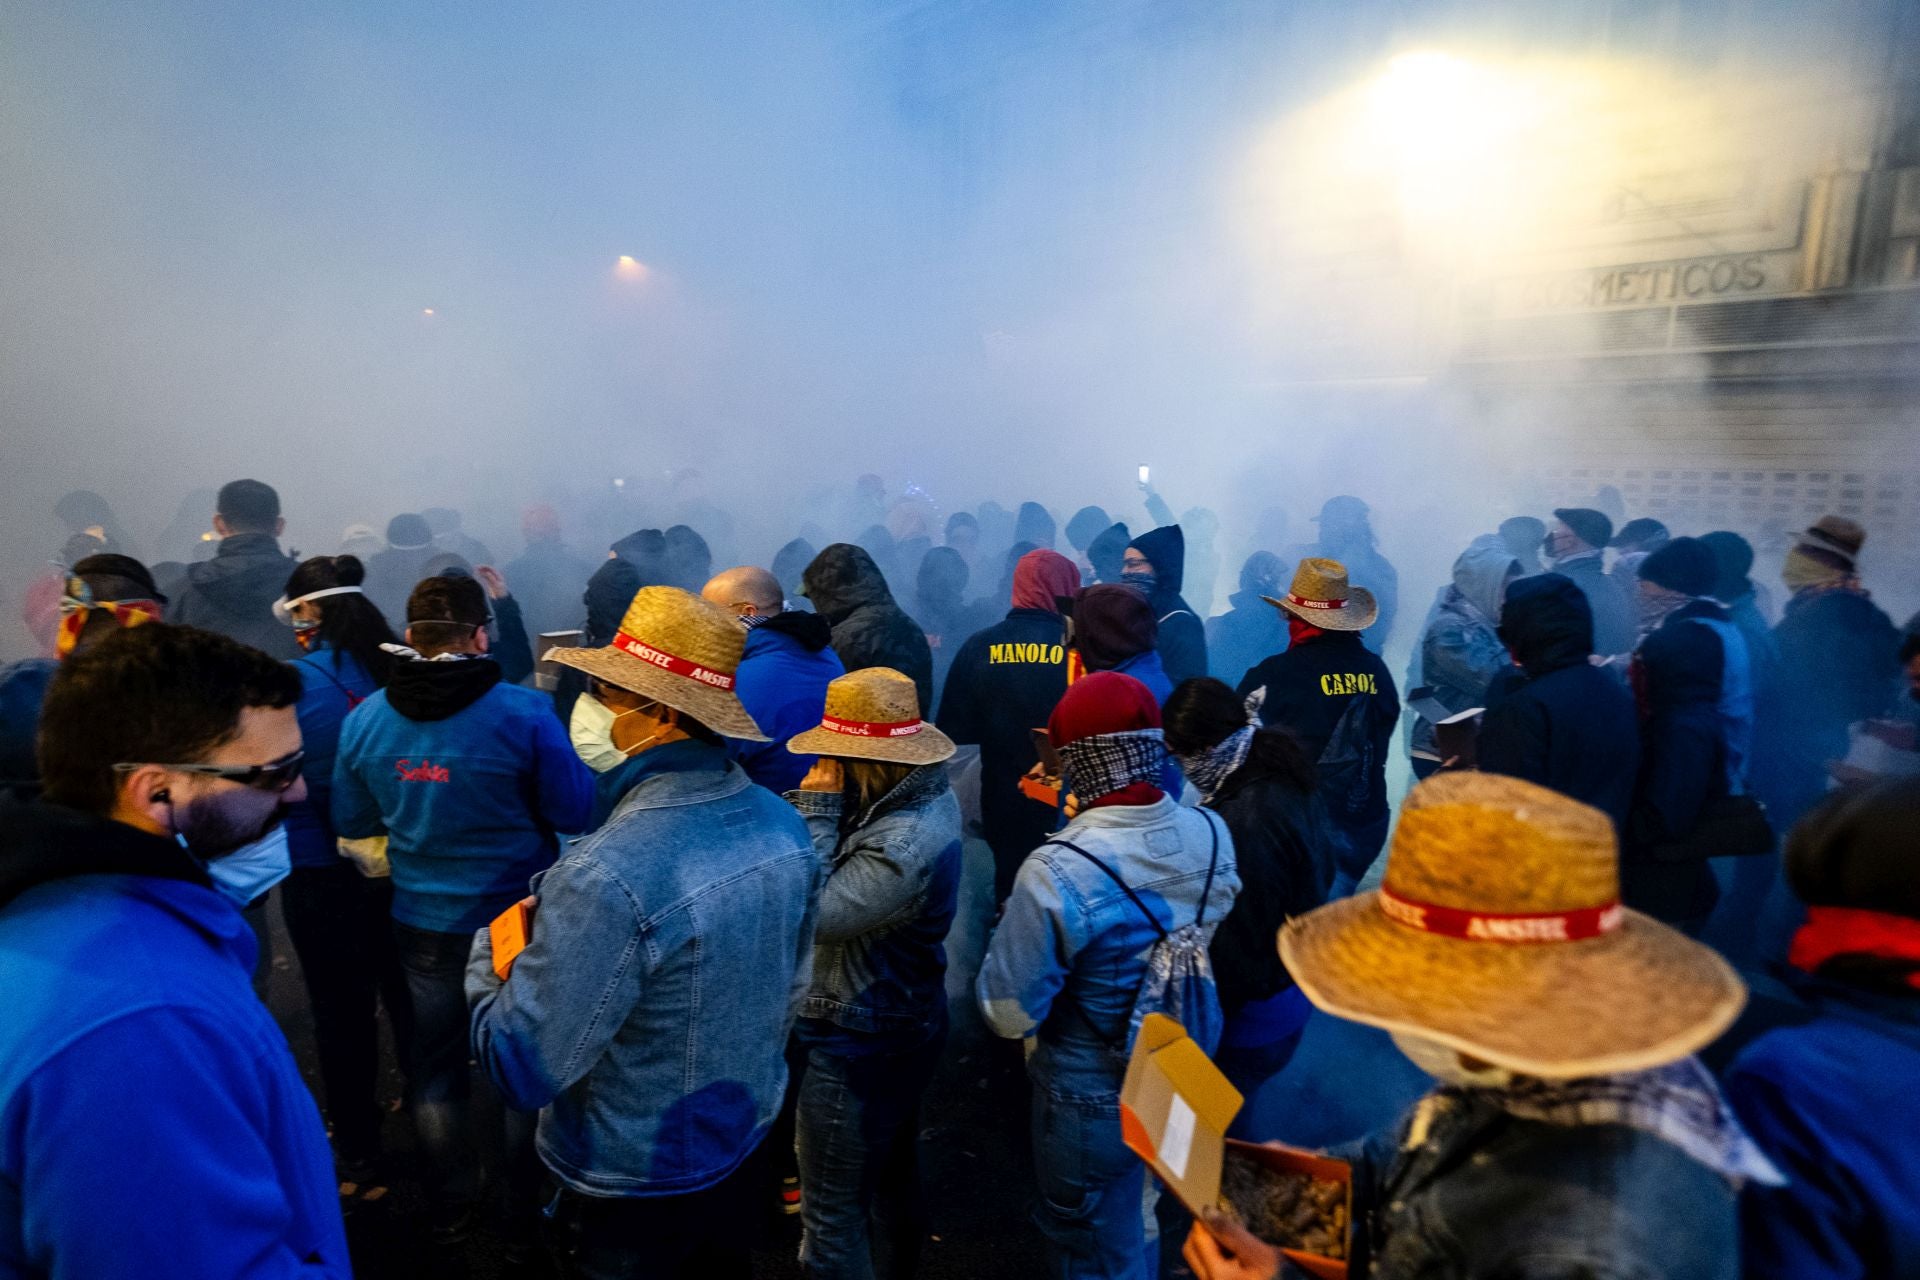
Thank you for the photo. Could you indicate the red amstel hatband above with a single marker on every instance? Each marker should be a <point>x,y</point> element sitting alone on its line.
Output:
<point>871,729</point>
<point>668,662</point>
<point>1304,603</point>
<point>1495,926</point>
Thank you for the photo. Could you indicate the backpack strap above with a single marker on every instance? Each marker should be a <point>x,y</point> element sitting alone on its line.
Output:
<point>1124,886</point>
<point>1213,861</point>
<point>353,699</point>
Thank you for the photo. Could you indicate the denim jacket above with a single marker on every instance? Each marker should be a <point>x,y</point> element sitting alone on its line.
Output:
<point>879,955</point>
<point>1071,950</point>
<point>1461,1188</point>
<point>647,1016</point>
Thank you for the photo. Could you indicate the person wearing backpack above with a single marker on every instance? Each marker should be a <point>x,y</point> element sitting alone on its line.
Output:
<point>337,917</point>
<point>1108,921</point>
<point>1337,698</point>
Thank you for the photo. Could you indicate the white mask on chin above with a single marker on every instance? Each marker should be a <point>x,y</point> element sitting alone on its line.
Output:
<point>1444,1064</point>
<point>591,729</point>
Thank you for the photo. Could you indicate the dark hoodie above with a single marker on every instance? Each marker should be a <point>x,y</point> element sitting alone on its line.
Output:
<point>1034,524</point>
<point>1684,750</point>
<point>470,779</point>
<point>940,607</point>
<point>233,594</point>
<point>1106,552</point>
<point>1085,525</point>
<point>789,563</point>
<point>869,629</point>
<point>1565,724</point>
<point>1251,631</point>
<point>1183,636</point>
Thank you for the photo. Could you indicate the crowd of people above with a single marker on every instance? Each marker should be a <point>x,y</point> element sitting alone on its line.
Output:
<point>663,860</point>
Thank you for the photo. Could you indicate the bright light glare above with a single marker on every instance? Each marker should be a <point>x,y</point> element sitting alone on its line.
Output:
<point>1448,129</point>
<point>630,268</point>
<point>426,311</point>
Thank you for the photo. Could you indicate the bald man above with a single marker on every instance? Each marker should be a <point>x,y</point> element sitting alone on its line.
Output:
<point>783,675</point>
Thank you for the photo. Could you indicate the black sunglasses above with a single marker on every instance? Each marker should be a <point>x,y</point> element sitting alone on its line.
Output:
<point>276,775</point>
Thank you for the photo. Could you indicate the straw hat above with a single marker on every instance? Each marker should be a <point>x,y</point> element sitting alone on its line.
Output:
<point>874,714</point>
<point>677,649</point>
<point>1320,595</point>
<point>1499,932</point>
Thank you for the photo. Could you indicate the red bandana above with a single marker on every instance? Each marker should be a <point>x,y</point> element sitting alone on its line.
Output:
<point>1848,931</point>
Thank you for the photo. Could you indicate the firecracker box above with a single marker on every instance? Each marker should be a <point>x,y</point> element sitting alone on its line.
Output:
<point>1175,1108</point>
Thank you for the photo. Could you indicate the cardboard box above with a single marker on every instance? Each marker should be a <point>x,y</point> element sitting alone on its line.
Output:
<point>1175,1107</point>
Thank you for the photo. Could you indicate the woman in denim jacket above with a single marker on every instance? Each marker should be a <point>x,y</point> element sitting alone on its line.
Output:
<point>1070,956</point>
<point>887,828</point>
<point>1571,1131</point>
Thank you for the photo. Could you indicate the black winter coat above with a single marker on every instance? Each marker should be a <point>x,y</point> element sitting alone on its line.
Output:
<point>233,594</point>
<point>1566,724</point>
<point>1183,636</point>
<point>1285,849</point>
<point>869,629</point>
<point>1683,764</point>
<point>1309,688</point>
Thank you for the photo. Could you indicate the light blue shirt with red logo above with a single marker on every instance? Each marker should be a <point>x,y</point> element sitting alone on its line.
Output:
<point>472,806</point>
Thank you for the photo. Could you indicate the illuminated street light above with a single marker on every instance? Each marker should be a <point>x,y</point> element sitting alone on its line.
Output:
<point>630,268</point>
<point>426,311</point>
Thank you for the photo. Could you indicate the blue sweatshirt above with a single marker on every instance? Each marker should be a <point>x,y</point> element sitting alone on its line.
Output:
<point>470,802</point>
<point>153,1123</point>
<point>332,683</point>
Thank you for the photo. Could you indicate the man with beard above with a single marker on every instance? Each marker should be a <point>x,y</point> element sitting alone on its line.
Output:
<point>156,1122</point>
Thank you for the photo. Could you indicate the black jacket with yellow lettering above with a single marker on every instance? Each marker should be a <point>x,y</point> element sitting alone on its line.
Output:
<point>1308,690</point>
<point>1003,685</point>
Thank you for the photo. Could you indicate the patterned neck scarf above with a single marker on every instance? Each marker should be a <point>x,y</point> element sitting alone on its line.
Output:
<point>1207,770</point>
<point>1679,1103</point>
<point>76,610</point>
<point>1109,762</point>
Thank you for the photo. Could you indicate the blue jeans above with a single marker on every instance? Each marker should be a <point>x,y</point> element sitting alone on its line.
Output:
<point>708,1233</point>
<point>1092,1206</point>
<point>441,1084</point>
<point>1364,843</point>
<point>857,1135</point>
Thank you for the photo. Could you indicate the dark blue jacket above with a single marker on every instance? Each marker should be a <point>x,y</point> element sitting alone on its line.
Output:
<point>1833,1104</point>
<point>1183,636</point>
<point>1243,637</point>
<point>233,593</point>
<point>1566,724</point>
<point>153,1123</point>
<point>471,780</point>
<point>1685,762</point>
<point>331,684</point>
<point>23,687</point>
<point>782,681</point>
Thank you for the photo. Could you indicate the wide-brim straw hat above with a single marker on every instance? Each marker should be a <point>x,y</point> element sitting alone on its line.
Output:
<point>1321,595</point>
<point>874,714</point>
<point>678,649</point>
<point>1498,932</point>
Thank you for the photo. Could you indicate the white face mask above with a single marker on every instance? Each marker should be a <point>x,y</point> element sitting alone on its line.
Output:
<point>1444,1064</point>
<point>591,729</point>
<point>252,869</point>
